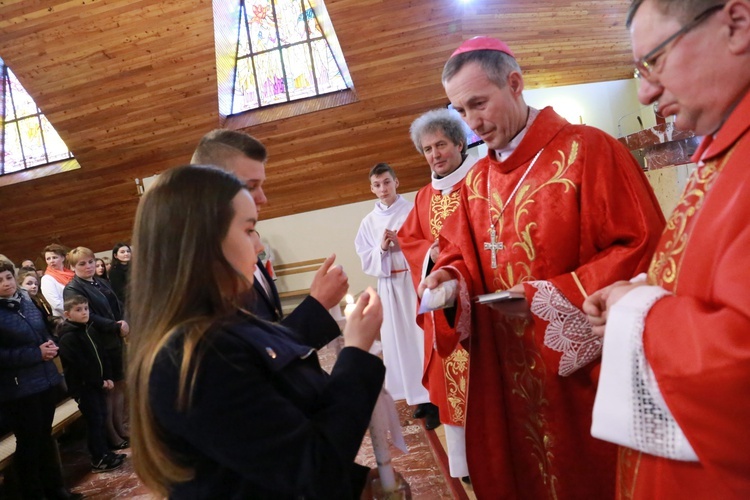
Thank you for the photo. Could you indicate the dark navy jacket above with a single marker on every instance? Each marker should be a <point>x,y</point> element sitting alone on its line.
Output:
<point>103,315</point>
<point>23,372</point>
<point>266,421</point>
<point>308,318</point>
<point>85,363</point>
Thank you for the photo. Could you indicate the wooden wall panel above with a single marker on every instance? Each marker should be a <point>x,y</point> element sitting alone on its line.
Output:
<point>130,85</point>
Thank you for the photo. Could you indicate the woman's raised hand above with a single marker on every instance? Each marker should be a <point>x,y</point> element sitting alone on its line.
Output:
<point>363,324</point>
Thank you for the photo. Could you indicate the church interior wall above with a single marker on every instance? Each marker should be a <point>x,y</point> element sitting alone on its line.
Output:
<point>611,106</point>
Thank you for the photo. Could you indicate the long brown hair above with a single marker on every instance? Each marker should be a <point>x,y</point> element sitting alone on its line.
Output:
<point>179,227</point>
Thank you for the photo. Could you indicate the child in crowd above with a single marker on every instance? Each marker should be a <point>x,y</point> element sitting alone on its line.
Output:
<point>88,374</point>
<point>106,313</point>
<point>29,281</point>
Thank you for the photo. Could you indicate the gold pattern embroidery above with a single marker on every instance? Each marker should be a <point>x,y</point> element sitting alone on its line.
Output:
<point>440,208</point>
<point>665,266</point>
<point>628,465</point>
<point>529,373</point>
<point>455,367</point>
<point>527,366</point>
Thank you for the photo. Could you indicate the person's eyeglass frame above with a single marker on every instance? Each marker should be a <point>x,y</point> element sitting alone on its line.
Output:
<point>645,65</point>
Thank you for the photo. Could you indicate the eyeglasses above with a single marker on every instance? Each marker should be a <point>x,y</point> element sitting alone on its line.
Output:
<point>646,64</point>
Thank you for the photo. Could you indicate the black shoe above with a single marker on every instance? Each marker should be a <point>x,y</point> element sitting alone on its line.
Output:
<point>466,479</point>
<point>420,411</point>
<point>424,409</point>
<point>432,420</point>
<point>107,463</point>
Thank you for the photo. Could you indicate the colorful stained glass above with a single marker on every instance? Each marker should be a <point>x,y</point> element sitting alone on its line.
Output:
<point>27,138</point>
<point>329,75</point>
<point>56,148</point>
<point>300,79</point>
<point>282,55</point>
<point>290,22</point>
<point>13,150</point>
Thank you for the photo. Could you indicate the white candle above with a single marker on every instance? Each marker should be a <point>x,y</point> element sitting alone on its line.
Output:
<point>378,435</point>
<point>350,305</point>
<point>379,424</point>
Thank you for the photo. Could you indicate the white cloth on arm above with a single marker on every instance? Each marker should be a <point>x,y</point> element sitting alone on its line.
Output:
<point>629,409</point>
<point>401,337</point>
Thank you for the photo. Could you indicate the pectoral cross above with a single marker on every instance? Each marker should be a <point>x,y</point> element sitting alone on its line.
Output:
<point>493,246</point>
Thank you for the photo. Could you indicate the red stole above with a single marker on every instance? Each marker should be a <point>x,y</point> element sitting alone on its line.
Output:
<point>445,377</point>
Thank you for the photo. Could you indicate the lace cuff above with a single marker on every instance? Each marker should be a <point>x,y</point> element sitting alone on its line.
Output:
<point>629,409</point>
<point>568,331</point>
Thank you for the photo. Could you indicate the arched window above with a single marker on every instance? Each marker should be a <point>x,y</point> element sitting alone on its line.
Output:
<point>27,138</point>
<point>283,55</point>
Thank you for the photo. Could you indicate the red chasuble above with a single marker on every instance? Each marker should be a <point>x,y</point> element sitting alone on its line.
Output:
<point>583,218</point>
<point>697,341</point>
<point>445,377</point>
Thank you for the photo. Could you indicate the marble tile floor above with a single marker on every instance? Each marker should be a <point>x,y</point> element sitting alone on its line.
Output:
<point>419,467</point>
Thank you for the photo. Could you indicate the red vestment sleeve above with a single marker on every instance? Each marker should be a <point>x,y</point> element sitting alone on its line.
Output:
<point>414,236</point>
<point>697,340</point>
<point>620,221</point>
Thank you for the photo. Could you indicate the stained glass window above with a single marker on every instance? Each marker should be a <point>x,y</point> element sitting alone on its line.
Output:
<point>282,55</point>
<point>27,138</point>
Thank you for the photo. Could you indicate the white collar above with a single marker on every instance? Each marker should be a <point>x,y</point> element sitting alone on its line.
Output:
<point>503,153</point>
<point>383,208</point>
<point>450,180</point>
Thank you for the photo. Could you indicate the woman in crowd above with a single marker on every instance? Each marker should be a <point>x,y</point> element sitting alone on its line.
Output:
<point>101,269</point>
<point>28,390</point>
<point>28,280</point>
<point>106,313</point>
<point>119,273</point>
<point>226,405</point>
<point>56,276</point>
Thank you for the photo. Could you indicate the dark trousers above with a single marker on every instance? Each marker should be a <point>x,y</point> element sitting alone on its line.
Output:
<point>93,405</point>
<point>36,458</point>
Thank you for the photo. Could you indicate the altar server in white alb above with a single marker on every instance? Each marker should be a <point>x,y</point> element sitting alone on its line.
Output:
<point>378,248</point>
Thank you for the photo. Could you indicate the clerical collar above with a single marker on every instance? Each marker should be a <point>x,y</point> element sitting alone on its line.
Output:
<point>446,183</point>
<point>383,207</point>
<point>504,153</point>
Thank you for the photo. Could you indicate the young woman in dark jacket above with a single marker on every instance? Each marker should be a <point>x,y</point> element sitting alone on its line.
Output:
<point>226,405</point>
<point>119,273</point>
<point>28,389</point>
<point>28,280</point>
<point>106,313</point>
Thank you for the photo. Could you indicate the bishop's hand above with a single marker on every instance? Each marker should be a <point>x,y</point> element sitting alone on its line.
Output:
<point>596,306</point>
<point>433,280</point>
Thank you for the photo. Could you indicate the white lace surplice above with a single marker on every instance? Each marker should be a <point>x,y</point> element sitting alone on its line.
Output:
<point>568,332</point>
<point>629,409</point>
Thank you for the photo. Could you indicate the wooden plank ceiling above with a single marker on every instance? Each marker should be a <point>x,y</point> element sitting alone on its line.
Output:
<point>130,86</point>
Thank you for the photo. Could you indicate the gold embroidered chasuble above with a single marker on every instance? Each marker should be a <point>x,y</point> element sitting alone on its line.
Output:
<point>582,218</point>
<point>696,340</point>
<point>446,377</point>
